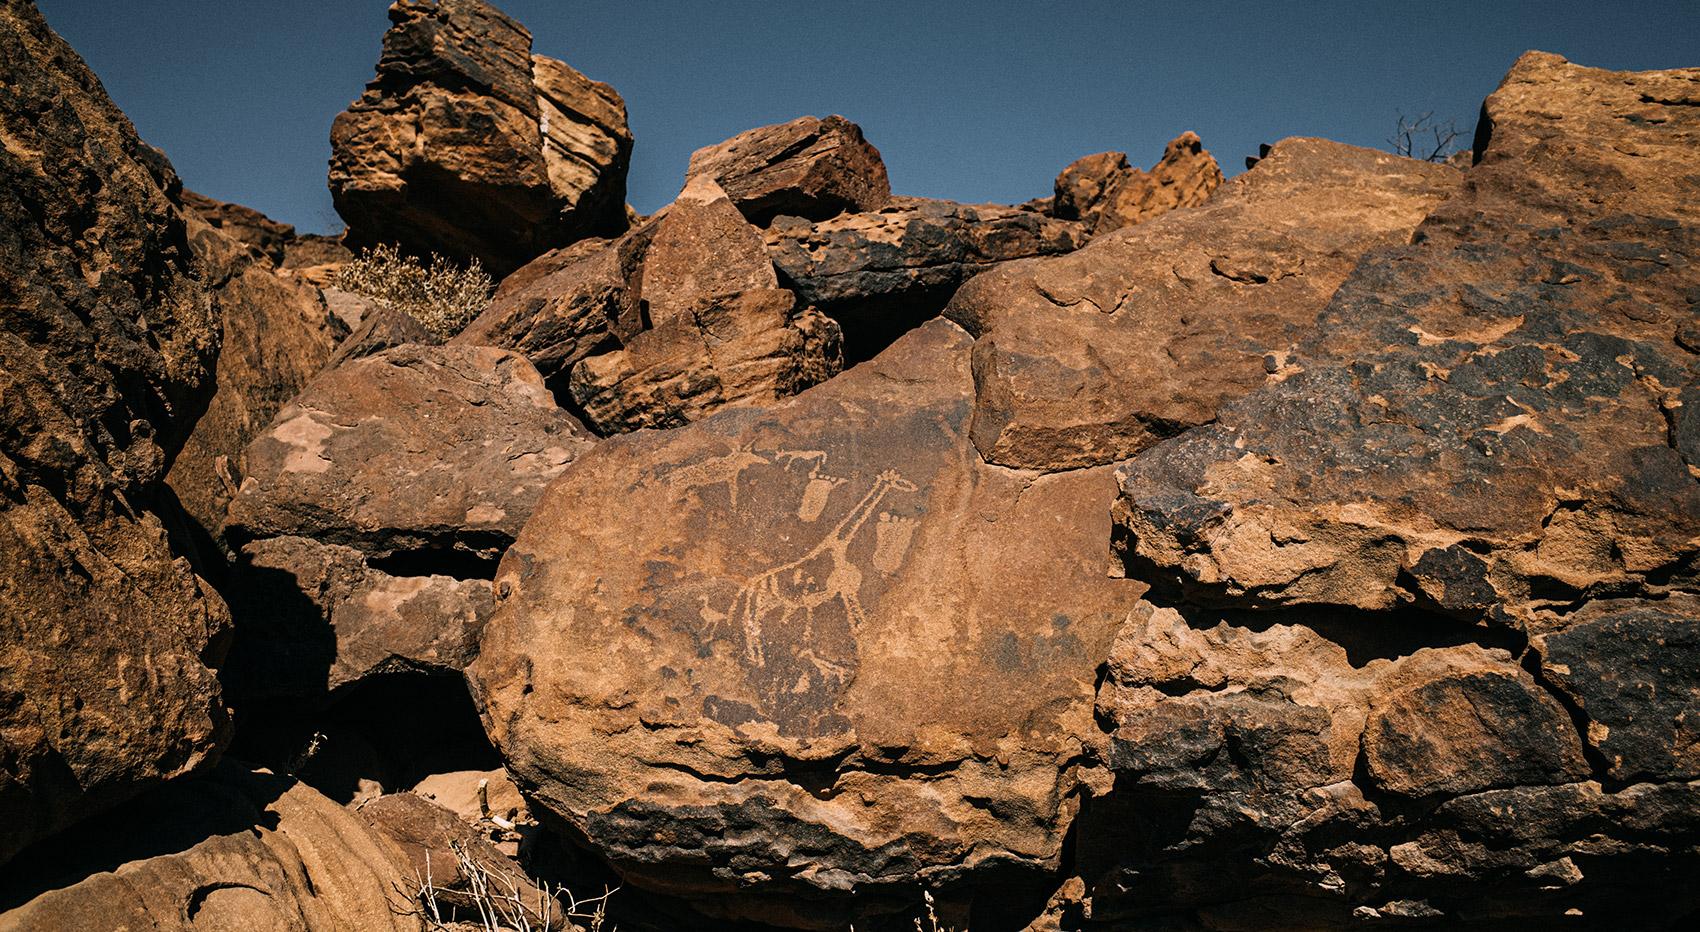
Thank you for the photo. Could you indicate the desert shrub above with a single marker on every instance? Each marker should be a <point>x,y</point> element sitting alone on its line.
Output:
<point>441,295</point>
<point>1424,138</point>
<point>497,900</point>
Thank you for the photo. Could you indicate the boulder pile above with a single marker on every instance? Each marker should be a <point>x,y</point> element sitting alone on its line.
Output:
<point>1311,549</point>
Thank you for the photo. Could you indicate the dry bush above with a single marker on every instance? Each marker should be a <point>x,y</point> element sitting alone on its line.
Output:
<point>1424,138</point>
<point>442,296</point>
<point>501,901</point>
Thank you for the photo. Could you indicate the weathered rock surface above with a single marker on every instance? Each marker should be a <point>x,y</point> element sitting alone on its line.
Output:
<point>885,271</point>
<point>245,225</point>
<point>1106,194</point>
<point>677,319</point>
<point>316,618</point>
<point>468,145</point>
<point>1322,772</point>
<point>232,850</point>
<point>277,334</point>
<point>107,343</point>
<point>422,451</point>
<point>719,329</point>
<point>1088,358</point>
<point>1487,422</point>
<point>809,167</point>
<point>845,656</point>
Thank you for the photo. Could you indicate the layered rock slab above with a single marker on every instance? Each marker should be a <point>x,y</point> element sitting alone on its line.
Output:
<point>107,346</point>
<point>808,167</point>
<point>846,656</point>
<point>417,450</point>
<point>882,272</point>
<point>1489,421</point>
<point>1088,358</point>
<point>467,144</point>
<point>1106,194</point>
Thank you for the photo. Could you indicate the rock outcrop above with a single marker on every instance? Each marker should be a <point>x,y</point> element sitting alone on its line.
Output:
<point>107,346</point>
<point>1450,546</point>
<point>1088,358</point>
<point>883,272</point>
<point>1106,194</point>
<point>278,332</point>
<point>844,656</point>
<point>466,144</point>
<point>418,452</point>
<point>679,318</point>
<point>232,850</point>
<point>1488,422</point>
<point>809,168</point>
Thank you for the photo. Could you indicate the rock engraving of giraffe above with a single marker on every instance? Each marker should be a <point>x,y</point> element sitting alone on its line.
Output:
<point>792,593</point>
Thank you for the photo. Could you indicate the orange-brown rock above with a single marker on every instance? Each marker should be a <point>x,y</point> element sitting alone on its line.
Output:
<point>107,346</point>
<point>1090,357</point>
<point>1486,422</point>
<point>675,320</point>
<point>844,657</point>
<point>235,849</point>
<point>468,145</point>
<point>1107,194</point>
<point>431,451</point>
<point>809,167</point>
<point>278,332</point>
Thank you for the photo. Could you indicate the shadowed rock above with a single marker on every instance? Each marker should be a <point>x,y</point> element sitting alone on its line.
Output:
<point>107,346</point>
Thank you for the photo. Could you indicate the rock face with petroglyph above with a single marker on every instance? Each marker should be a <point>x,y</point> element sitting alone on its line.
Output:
<point>107,345</point>
<point>1088,358</point>
<point>1492,420</point>
<point>419,451</point>
<point>467,144</point>
<point>844,655</point>
<point>1448,676</point>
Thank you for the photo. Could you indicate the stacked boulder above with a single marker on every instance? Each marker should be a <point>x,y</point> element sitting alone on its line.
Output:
<point>468,145</point>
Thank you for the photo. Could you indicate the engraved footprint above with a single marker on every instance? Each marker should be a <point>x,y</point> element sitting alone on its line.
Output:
<point>815,495</point>
<point>891,541</point>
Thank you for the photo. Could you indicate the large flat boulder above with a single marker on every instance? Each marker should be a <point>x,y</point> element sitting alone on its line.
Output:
<point>468,145</point>
<point>107,346</point>
<point>843,659</point>
<point>1088,358</point>
<point>418,450</point>
<point>1488,421</point>
<point>809,167</point>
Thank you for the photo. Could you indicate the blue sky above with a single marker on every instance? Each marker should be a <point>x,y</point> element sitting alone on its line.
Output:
<point>975,101</point>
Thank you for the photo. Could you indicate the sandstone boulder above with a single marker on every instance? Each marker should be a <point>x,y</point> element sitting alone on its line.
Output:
<point>107,347</point>
<point>277,334</point>
<point>232,850</point>
<point>1088,358</point>
<point>468,145</point>
<point>245,225</point>
<point>1106,194</point>
<point>882,272</point>
<point>1487,422</point>
<point>678,318</point>
<point>844,659</point>
<point>809,167</point>
<point>420,451</point>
